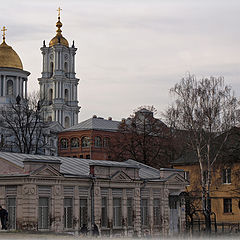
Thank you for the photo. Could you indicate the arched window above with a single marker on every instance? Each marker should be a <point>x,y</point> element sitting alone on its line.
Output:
<point>50,96</point>
<point>98,142</point>
<point>74,143</point>
<point>66,95</point>
<point>9,87</point>
<point>66,68</point>
<point>51,69</point>
<point>49,119</point>
<point>67,122</point>
<point>85,142</point>
<point>63,143</point>
<point>106,142</point>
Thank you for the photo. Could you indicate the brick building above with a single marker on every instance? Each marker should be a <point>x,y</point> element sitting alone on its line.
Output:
<point>89,139</point>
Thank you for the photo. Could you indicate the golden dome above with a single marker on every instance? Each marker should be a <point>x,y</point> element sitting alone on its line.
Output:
<point>59,37</point>
<point>8,57</point>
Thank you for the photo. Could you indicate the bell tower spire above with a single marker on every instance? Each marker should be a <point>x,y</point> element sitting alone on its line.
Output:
<point>58,84</point>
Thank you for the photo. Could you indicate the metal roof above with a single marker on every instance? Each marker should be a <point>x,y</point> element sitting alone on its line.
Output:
<point>80,167</point>
<point>95,124</point>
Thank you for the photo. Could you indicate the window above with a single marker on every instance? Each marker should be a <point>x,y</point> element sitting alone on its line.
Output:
<point>186,176</point>
<point>74,142</point>
<point>156,211</point>
<point>106,142</point>
<point>49,119</point>
<point>67,122</point>
<point>130,212</point>
<point>104,217</point>
<point>11,207</point>
<point>226,175</point>
<point>87,156</point>
<point>9,87</point>
<point>227,205</point>
<point>83,212</point>
<point>117,212</point>
<point>66,69</point>
<point>51,69</point>
<point>68,213</point>
<point>81,156</point>
<point>85,142</point>
<point>144,212</point>
<point>63,143</point>
<point>50,96</point>
<point>98,142</point>
<point>43,210</point>
<point>66,95</point>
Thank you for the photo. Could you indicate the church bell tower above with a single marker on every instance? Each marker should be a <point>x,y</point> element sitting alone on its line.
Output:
<point>58,84</point>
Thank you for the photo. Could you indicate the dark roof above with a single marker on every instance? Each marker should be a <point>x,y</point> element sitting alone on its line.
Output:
<point>80,167</point>
<point>95,124</point>
<point>187,158</point>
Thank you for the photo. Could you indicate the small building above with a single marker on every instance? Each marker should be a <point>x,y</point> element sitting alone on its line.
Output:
<point>89,139</point>
<point>61,194</point>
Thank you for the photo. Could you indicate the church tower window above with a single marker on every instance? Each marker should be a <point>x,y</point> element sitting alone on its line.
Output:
<point>67,122</point>
<point>66,95</point>
<point>50,96</point>
<point>66,69</point>
<point>9,87</point>
<point>51,69</point>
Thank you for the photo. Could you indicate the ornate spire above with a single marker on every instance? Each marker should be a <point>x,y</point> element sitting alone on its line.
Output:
<point>59,24</point>
<point>4,33</point>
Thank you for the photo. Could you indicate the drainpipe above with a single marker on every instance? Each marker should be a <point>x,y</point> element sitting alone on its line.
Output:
<point>92,197</point>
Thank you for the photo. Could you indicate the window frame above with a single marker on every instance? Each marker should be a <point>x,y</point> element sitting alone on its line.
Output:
<point>104,213</point>
<point>85,142</point>
<point>68,209</point>
<point>156,212</point>
<point>227,205</point>
<point>144,212</point>
<point>67,143</point>
<point>227,176</point>
<point>117,212</point>
<point>97,142</point>
<point>71,140</point>
<point>83,212</point>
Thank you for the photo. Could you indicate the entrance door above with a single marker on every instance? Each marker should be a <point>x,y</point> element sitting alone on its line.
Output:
<point>43,213</point>
<point>11,206</point>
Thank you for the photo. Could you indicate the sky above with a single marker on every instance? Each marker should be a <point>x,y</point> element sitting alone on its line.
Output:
<point>130,52</point>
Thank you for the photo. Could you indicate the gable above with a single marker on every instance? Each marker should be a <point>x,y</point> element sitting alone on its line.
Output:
<point>120,176</point>
<point>46,170</point>
<point>8,167</point>
<point>176,179</point>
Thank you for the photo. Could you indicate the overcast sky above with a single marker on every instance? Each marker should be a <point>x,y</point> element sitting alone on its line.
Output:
<point>130,52</point>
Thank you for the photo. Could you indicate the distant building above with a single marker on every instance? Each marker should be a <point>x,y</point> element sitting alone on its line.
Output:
<point>13,86</point>
<point>89,139</point>
<point>46,193</point>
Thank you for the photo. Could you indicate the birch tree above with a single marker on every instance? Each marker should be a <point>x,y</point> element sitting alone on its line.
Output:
<point>204,109</point>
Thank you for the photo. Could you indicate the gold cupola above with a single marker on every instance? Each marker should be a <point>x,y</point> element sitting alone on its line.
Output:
<point>8,57</point>
<point>59,37</point>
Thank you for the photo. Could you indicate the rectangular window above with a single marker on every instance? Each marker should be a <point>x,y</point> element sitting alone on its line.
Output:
<point>11,207</point>
<point>130,212</point>
<point>227,205</point>
<point>144,212</point>
<point>43,213</point>
<point>68,213</point>
<point>156,211</point>
<point>117,212</point>
<point>226,174</point>
<point>186,176</point>
<point>104,219</point>
<point>83,212</point>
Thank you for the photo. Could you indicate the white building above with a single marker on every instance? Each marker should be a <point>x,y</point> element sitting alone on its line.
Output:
<point>58,84</point>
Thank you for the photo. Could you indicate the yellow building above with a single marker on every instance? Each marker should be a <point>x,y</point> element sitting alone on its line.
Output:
<point>224,194</point>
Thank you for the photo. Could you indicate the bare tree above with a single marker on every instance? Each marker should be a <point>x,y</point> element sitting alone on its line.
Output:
<point>204,109</point>
<point>142,138</point>
<point>22,122</point>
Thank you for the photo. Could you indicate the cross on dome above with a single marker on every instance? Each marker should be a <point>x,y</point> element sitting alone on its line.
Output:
<point>4,32</point>
<point>59,11</point>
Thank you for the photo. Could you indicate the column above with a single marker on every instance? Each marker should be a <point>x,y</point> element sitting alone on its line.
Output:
<point>17,86</point>
<point>25,88</point>
<point>4,85</point>
<point>54,90</point>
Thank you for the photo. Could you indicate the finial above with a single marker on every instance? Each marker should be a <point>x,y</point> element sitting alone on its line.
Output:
<point>4,33</point>
<point>59,12</point>
<point>44,43</point>
<point>73,44</point>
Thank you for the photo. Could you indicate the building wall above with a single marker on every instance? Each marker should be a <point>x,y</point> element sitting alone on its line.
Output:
<point>219,190</point>
<point>92,152</point>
